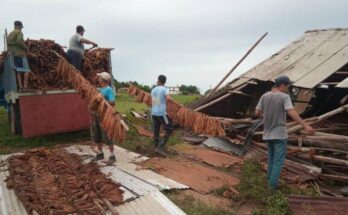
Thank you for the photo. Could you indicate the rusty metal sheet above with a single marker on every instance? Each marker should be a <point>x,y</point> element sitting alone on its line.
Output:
<point>201,178</point>
<point>318,205</point>
<point>209,156</point>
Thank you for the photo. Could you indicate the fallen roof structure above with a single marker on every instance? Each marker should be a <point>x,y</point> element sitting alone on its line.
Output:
<point>317,63</point>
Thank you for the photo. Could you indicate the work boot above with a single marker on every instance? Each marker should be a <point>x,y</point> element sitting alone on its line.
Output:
<point>112,159</point>
<point>160,149</point>
<point>100,156</point>
<point>156,142</point>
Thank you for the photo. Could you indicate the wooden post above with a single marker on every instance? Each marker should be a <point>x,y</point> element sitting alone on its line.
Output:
<point>239,62</point>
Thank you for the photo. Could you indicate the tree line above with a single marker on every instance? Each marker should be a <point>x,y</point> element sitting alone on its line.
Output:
<point>184,89</point>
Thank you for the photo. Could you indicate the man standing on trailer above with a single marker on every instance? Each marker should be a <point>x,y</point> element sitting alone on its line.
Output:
<point>76,49</point>
<point>17,47</point>
<point>159,96</point>
<point>273,107</point>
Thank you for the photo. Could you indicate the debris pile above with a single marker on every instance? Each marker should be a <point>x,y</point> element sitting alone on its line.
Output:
<point>199,123</point>
<point>43,68</point>
<point>96,61</point>
<point>56,182</point>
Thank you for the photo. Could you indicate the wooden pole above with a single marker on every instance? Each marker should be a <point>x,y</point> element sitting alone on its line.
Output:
<point>320,118</point>
<point>220,98</point>
<point>239,62</point>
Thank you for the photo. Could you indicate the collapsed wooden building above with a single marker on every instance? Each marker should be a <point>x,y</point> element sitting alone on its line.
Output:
<point>317,63</point>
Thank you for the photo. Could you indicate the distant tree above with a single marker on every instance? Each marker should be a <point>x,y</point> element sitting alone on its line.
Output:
<point>208,91</point>
<point>190,89</point>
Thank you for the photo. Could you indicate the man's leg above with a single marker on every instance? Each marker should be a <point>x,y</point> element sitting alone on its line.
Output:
<point>19,80</point>
<point>110,143</point>
<point>96,136</point>
<point>280,147</point>
<point>156,130</point>
<point>26,79</point>
<point>270,149</point>
<point>168,127</point>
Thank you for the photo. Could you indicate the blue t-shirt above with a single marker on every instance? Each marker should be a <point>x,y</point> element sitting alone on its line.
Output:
<point>108,93</point>
<point>159,105</point>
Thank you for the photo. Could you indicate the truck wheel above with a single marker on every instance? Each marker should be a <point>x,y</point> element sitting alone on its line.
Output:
<point>15,119</point>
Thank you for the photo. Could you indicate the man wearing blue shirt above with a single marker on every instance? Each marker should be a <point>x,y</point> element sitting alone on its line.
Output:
<point>159,96</point>
<point>97,132</point>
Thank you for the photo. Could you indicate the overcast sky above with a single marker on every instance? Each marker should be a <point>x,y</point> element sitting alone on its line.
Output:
<point>190,41</point>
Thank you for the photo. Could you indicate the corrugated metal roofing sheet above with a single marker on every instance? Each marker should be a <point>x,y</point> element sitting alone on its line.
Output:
<point>307,61</point>
<point>153,203</point>
<point>125,162</point>
<point>151,200</point>
<point>318,205</point>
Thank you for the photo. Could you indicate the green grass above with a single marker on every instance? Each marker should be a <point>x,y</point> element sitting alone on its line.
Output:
<point>124,103</point>
<point>185,99</point>
<point>196,207</point>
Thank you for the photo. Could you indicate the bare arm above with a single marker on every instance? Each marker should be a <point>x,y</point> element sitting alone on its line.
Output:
<point>258,113</point>
<point>294,115</point>
<point>85,41</point>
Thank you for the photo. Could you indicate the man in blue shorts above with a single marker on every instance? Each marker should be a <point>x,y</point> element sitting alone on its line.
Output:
<point>97,133</point>
<point>17,47</point>
<point>159,96</point>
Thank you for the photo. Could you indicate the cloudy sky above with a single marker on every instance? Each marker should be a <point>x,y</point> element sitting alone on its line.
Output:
<point>190,41</point>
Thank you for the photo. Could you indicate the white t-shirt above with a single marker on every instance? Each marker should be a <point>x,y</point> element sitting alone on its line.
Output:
<point>76,45</point>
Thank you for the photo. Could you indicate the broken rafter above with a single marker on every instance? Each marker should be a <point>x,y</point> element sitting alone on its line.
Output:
<point>239,62</point>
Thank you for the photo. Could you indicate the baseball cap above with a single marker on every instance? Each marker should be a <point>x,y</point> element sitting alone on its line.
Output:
<point>80,28</point>
<point>18,23</point>
<point>105,76</point>
<point>283,79</point>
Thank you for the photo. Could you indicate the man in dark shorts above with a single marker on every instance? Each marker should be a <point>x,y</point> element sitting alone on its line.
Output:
<point>159,96</point>
<point>273,108</point>
<point>76,49</point>
<point>97,132</point>
<point>17,47</point>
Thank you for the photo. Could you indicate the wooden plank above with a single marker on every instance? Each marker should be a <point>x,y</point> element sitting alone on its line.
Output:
<point>316,57</point>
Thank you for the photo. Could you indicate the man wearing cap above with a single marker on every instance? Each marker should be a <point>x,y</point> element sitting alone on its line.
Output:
<point>76,47</point>
<point>17,47</point>
<point>273,106</point>
<point>97,132</point>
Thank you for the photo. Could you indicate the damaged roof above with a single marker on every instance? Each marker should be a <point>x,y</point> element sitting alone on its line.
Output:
<point>308,60</point>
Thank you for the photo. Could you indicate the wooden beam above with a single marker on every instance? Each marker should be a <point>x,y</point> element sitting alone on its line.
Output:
<point>213,102</point>
<point>320,118</point>
<point>341,73</point>
<point>329,83</point>
<point>239,62</point>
